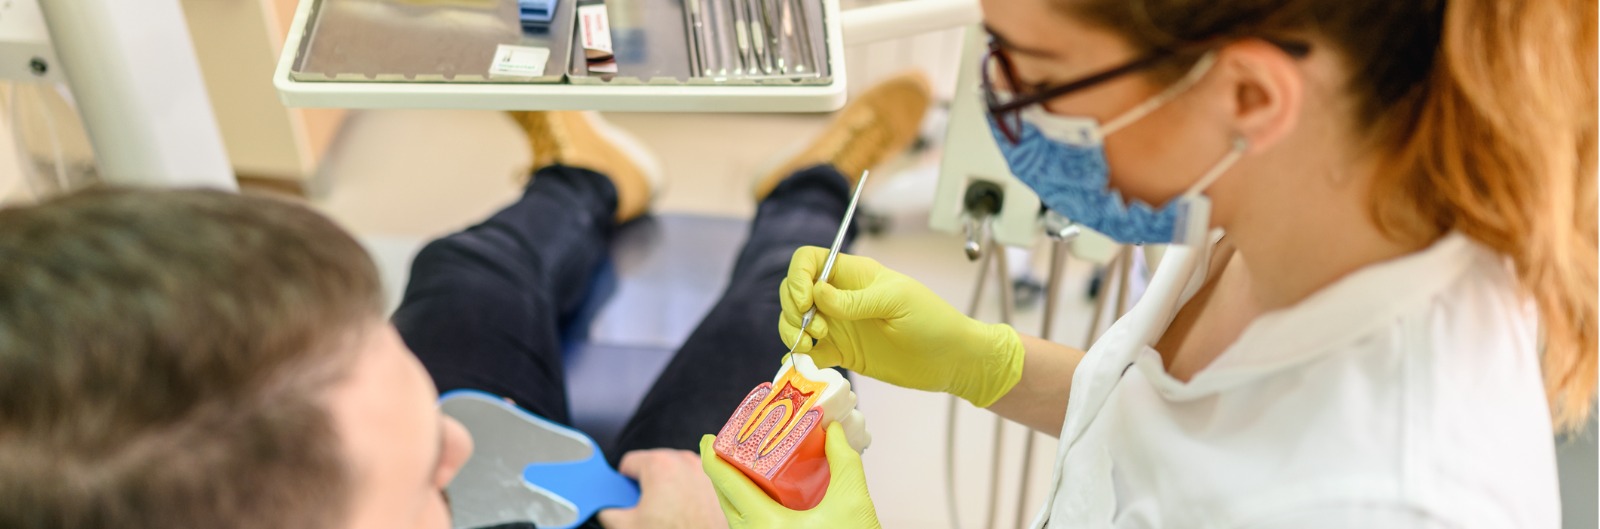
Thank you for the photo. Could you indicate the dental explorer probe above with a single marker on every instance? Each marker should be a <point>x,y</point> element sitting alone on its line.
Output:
<point>833,255</point>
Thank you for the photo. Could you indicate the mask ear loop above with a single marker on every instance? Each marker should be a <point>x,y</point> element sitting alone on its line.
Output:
<point>1194,223</point>
<point>1189,79</point>
<point>1240,145</point>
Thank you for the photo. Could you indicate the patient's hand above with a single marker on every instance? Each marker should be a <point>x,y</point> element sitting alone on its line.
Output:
<point>674,493</point>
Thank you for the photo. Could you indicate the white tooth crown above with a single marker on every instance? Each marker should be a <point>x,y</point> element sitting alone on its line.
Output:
<point>837,402</point>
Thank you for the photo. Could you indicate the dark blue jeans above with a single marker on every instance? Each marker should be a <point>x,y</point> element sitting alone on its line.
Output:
<point>483,306</point>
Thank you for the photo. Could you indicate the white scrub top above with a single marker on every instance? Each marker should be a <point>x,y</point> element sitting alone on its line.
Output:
<point>1407,394</point>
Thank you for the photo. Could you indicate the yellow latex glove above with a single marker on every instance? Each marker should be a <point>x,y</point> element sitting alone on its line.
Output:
<point>846,504</point>
<point>882,324</point>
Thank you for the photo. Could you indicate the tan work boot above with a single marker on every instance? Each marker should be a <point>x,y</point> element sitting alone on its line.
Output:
<point>583,139</point>
<point>876,125</point>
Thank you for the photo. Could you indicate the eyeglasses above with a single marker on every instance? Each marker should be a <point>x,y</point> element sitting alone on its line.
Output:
<point>1006,105</point>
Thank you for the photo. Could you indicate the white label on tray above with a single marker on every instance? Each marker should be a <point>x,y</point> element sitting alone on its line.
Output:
<point>518,62</point>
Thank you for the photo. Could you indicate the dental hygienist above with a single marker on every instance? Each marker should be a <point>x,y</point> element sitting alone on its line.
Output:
<point>1381,295</point>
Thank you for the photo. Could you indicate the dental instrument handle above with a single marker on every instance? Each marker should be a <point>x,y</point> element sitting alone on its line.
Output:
<point>833,255</point>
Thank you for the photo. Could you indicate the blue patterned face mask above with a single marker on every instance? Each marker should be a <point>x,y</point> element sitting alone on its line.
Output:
<point>1063,160</point>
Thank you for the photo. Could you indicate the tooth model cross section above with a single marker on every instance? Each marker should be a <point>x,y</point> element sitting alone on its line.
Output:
<point>776,436</point>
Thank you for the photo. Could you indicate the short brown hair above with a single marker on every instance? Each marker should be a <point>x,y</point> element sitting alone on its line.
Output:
<point>162,355</point>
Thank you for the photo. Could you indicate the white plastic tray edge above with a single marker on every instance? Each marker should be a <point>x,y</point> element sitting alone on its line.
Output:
<point>685,98</point>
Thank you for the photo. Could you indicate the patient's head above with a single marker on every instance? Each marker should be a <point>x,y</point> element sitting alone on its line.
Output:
<point>201,359</point>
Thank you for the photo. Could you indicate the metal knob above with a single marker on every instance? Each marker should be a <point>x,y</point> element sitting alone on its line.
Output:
<point>1059,228</point>
<point>974,246</point>
<point>983,201</point>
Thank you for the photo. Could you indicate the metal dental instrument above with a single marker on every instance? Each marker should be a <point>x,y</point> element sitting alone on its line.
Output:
<point>785,35</point>
<point>697,40</point>
<point>727,47</point>
<point>741,33</point>
<point>773,31</point>
<point>833,255</point>
<point>806,63</point>
<point>721,34</point>
<point>758,35</point>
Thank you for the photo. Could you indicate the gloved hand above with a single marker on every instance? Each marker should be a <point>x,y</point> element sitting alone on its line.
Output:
<point>845,505</point>
<point>882,324</point>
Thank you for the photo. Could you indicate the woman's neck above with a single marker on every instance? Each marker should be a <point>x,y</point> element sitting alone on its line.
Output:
<point>1307,238</point>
